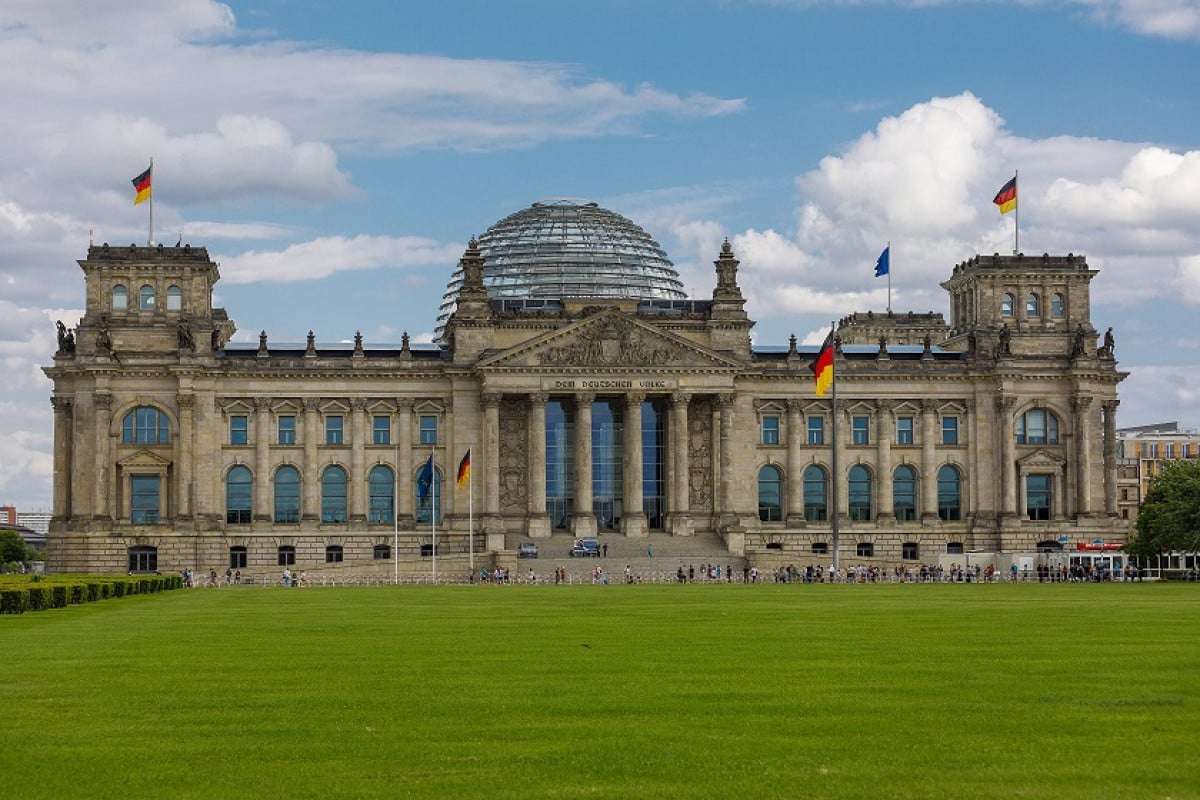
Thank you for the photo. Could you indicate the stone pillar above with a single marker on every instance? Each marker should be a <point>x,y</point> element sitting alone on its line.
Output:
<point>538,520</point>
<point>929,439</point>
<point>83,440</point>
<point>885,429</point>
<point>726,502</point>
<point>1008,457</point>
<point>310,484</point>
<point>185,454</point>
<point>795,463</point>
<point>681,522</point>
<point>1110,456</point>
<point>358,433</point>
<point>491,454</point>
<point>63,457</point>
<point>104,463</point>
<point>404,468</point>
<point>583,521</point>
<point>263,435</point>
<point>1082,407</point>
<point>633,517</point>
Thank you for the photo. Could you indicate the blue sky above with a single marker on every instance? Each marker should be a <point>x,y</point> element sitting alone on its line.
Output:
<point>335,157</point>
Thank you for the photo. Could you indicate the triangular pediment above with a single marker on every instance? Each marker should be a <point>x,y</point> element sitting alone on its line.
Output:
<point>609,340</point>
<point>144,459</point>
<point>1041,459</point>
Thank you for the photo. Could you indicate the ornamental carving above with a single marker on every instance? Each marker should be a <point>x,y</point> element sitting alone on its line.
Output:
<point>700,456</point>
<point>514,455</point>
<point>610,344</point>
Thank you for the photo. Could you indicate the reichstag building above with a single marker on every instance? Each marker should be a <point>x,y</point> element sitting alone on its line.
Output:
<point>595,399</point>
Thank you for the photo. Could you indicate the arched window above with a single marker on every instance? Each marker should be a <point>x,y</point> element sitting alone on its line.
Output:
<point>949,485</point>
<point>1033,305</point>
<point>143,558</point>
<point>1058,306</point>
<point>904,493</point>
<point>238,495</point>
<point>287,494</point>
<point>145,425</point>
<point>146,298</point>
<point>429,510</point>
<point>860,493</point>
<point>770,502</point>
<point>1006,305</point>
<point>381,484</point>
<point>333,495</point>
<point>816,493</point>
<point>120,298</point>
<point>1037,426</point>
<point>174,298</point>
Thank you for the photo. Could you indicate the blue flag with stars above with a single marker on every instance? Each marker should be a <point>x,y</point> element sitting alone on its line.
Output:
<point>881,266</point>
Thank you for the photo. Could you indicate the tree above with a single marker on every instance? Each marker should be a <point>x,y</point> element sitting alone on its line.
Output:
<point>1169,519</point>
<point>12,547</point>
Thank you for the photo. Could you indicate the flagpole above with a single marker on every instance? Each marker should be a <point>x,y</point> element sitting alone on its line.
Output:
<point>396,523</point>
<point>471,512</point>
<point>150,237</point>
<point>834,452</point>
<point>889,307</point>
<point>433,486</point>
<point>1017,214</point>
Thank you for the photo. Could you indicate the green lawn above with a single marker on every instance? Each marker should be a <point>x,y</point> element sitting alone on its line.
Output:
<point>1053,691</point>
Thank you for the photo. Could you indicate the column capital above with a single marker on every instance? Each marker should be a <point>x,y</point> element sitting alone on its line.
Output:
<point>680,398</point>
<point>262,403</point>
<point>928,405</point>
<point>1004,403</point>
<point>882,405</point>
<point>62,404</point>
<point>586,398</point>
<point>795,405</point>
<point>311,403</point>
<point>1080,402</point>
<point>726,401</point>
<point>490,399</point>
<point>635,398</point>
<point>187,401</point>
<point>539,397</point>
<point>358,403</point>
<point>1110,406</point>
<point>102,399</point>
<point>404,404</point>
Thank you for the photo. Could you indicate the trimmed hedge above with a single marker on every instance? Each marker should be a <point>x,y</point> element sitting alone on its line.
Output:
<point>14,601</point>
<point>38,593</point>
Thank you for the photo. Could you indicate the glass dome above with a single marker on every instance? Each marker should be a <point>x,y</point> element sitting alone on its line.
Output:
<point>568,248</point>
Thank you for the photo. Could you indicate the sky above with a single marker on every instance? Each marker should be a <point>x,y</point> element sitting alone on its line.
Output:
<point>336,156</point>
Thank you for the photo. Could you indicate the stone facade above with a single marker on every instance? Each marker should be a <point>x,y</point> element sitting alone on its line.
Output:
<point>174,448</point>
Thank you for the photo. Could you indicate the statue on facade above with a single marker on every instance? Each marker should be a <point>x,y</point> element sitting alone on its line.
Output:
<point>186,342</point>
<point>104,340</point>
<point>1005,341</point>
<point>1110,344</point>
<point>66,339</point>
<point>1079,343</point>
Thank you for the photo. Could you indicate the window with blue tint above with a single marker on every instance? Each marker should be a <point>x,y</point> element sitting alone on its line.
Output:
<point>904,430</point>
<point>174,298</point>
<point>287,495</point>
<point>120,298</point>
<point>904,493</point>
<point>560,462</point>
<point>429,430</point>
<point>949,430</point>
<point>381,428</point>
<point>949,487</point>
<point>239,429</point>
<point>1037,496</point>
<point>860,493</point>
<point>1033,305</point>
<point>238,495</point>
<point>287,429</point>
<point>144,502</point>
<point>145,425</point>
<point>1058,307</point>
<point>770,495</point>
<point>333,430</point>
<point>770,430</point>
<point>1037,426</point>
<point>146,298</point>
<point>654,463</point>
<point>381,487</point>
<point>608,459</point>
<point>816,430</point>
<point>816,493</point>
<point>860,430</point>
<point>333,495</point>
<point>1006,305</point>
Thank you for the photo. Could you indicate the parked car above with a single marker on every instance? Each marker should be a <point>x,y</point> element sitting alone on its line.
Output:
<point>527,550</point>
<point>588,546</point>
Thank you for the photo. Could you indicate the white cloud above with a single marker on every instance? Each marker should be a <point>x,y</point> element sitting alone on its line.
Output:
<point>322,257</point>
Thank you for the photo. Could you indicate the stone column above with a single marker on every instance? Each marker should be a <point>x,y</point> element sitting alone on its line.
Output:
<point>1082,406</point>
<point>929,439</point>
<point>404,468</point>
<point>795,463</point>
<point>1008,456</point>
<point>681,523</point>
<point>358,433</point>
<point>185,453</point>
<point>104,461</point>
<point>1110,457</point>
<point>583,521</point>
<point>310,484</point>
<point>83,440</point>
<point>491,454</point>
<point>885,429</point>
<point>539,521</point>
<point>633,516</point>
<point>263,434</point>
<point>726,508</point>
<point>62,457</point>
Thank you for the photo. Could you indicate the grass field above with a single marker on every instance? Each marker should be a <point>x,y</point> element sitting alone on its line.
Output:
<point>1059,691</point>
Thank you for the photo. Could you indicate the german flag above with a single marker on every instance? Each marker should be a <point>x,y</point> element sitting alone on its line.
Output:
<point>141,185</point>
<point>822,367</point>
<point>1006,198</point>
<point>464,469</point>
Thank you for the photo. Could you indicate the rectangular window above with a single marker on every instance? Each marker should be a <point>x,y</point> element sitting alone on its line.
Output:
<point>1037,496</point>
<point>860,432</point>
<point>904,430</point>
<point>429,430</point>
<point>1154,451</point>
<point>949,430</point>
<point>382,430</point>
<point>287,429</point>
<point>910,551</point>
<point>333,430</point>
<point>816,430</point>
<point>770,430</point>
<point>1169,450</point>
<point>144,501</point>
<point>238,429</point>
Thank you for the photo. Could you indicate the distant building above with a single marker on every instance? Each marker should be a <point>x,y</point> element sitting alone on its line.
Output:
<point>8,516</point>
<point>37,521</point>
<point>1141,452</point>
<point>594,400</point>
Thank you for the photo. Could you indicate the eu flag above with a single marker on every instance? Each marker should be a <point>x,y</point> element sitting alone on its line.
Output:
<point>425,480</point>
<point>881,266</point>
